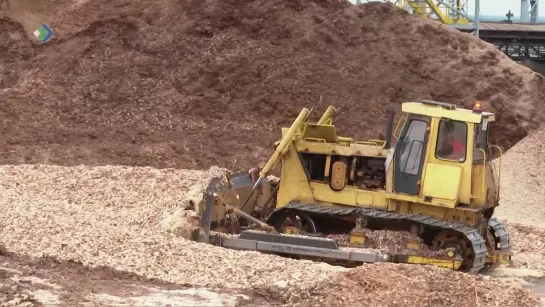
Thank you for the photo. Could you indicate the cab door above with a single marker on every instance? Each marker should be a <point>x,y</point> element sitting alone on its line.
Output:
<point>410,153</point>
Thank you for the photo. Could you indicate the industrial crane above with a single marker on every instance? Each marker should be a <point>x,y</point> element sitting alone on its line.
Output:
<point>450,12</point>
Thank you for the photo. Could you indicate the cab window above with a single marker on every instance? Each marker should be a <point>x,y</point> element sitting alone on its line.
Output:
<point>412,148</point>
<point>451,140</point>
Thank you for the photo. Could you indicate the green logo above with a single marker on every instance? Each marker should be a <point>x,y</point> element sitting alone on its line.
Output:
<point>43,33</point>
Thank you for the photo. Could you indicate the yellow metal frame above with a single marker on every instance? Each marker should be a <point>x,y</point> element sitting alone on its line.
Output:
<point>483,181</point>
<point>311,138</point>
<point>453,264</point>
<point>375,148</point>
<point>402,119</point>
<point>499,257</point>
<point>425,8</point>
<point>327,117</point>
<point>286,139</point>
<point>501,158</point>
<point>463,115</point>
<point>499,170</point>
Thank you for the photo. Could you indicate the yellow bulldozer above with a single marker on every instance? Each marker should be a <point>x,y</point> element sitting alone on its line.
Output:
<point>432,177</point>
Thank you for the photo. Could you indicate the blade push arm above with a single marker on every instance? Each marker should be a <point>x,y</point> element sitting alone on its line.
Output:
<point>278,151</point>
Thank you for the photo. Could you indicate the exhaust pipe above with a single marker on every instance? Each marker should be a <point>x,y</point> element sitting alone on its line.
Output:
<point>389,126</point>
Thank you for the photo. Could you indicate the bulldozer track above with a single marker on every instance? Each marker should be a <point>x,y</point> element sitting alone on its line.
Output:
<point>501,232</point>
<point>477,241</point>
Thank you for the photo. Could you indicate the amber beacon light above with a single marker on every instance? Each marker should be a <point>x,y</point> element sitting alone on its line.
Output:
<point>477,106</point>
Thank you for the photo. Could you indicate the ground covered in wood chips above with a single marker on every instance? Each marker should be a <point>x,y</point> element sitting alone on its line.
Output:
<point>191,84</point>
<point>409,285</point>
<point>111,216</point>
<point>47,281</point>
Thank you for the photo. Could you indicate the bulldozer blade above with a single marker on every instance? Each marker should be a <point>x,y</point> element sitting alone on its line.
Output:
<point>206,215</point>
<point>327,255</point>
<point>233,190</point>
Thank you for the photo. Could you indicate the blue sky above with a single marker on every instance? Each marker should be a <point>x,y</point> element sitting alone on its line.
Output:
<point>497,7</point>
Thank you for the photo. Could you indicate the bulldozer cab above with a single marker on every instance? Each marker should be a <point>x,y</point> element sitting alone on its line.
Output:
<point>442,154</point>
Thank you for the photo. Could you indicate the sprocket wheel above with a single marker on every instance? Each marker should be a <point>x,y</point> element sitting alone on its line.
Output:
<point>493,242</point>
<point>298,220</point>
<point>462,247</point>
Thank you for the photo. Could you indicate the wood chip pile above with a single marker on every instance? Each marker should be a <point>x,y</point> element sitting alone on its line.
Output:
<point>528,246</point>
<point>113,216</point>
<point>233,71</point>
<point>522,193</point>
<point>391,284</point>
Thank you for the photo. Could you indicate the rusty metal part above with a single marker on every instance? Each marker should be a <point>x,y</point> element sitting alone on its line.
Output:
<point>451,240</point>
<point>357,235</point>
<point>338,175</point>
<point>289,230</point>
<point>232,223</point>
<point>498,242</point>
<point>218,200</point>
<point>372,183</point>
<point>300,221</point>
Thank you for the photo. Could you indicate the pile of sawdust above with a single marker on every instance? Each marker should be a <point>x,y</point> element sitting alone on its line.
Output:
<point>521,209</point>
<point>114,87</point>
<point>522,192</point>
<point>183,223</point>
<point>112,216</point>
<point>409,285</point>
<point>528,246</point>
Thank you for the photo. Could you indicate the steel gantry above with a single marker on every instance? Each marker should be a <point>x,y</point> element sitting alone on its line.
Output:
<point>451,12</point>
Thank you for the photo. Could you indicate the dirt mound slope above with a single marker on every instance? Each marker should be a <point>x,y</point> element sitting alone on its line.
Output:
<point>110,217</point>
<point>192,84</point>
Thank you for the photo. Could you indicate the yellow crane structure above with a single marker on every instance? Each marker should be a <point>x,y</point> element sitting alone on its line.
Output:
<point>451,12</point>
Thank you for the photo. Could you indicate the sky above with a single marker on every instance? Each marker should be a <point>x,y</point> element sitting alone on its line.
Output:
<point>501,7</point>
<point>496,7</point>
